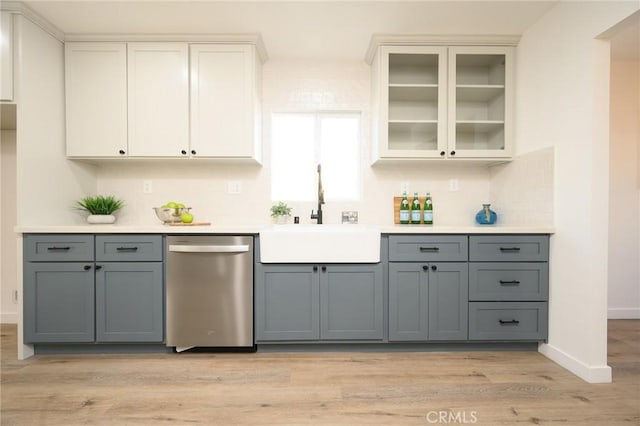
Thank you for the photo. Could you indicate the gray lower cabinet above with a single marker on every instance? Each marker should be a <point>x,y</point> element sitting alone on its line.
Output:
<point>287,303</point>
<point>93,300</point>
<point>318,302</point>
<point>58,302</point>
<point>129,302</point>
<point>428,301</point>
<point>508,287</point>
<point>351,302</point>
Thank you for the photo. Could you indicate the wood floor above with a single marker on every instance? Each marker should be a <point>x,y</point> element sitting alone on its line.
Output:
<point>484,388</point>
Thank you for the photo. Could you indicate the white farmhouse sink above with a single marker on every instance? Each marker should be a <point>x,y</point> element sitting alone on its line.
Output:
<point>320,244</point>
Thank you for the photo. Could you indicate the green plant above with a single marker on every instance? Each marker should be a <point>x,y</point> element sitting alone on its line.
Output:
<point>101,205</point>
<point>280,209</point>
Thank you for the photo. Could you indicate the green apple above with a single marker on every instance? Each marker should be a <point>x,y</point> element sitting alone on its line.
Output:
<point>179,206</point>
<point>186,218</point>
<point>171,205</point>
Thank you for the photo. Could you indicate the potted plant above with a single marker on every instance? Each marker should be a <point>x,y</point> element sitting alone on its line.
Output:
<point>101,208</point>
<point>280,212</point>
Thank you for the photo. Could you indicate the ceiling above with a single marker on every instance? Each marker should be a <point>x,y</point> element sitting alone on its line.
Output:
<point>295,29</point>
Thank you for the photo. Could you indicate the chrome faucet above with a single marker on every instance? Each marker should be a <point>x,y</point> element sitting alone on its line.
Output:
<point>318,215</point>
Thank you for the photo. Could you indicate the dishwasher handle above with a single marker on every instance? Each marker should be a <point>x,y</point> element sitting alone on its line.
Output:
<point>177,248</point>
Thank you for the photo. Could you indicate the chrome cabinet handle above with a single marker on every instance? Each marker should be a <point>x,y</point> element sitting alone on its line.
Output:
<point>176,248</point>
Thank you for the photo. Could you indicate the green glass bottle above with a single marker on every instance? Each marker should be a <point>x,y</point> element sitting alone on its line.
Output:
<point>404,209</point>
<point>415,210</point>
<point>428,210</point>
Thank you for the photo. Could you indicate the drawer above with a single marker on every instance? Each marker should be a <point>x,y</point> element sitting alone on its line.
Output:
<point>58,248</point>
<point>427,248</point>
<point>128,248</point>
<point>508,281</point>
<point>507,320</point>
<point>509,248</point>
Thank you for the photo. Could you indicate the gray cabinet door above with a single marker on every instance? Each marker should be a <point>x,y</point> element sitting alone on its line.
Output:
<point>58,302</point>
<point>287,302</point>
<point>509,248</point>
<point>129,302</point>
<point>448,301</point>
<point>508,320</point>
<point>129,248</point>
<point>502,281</point>
<point>58,248</point>
<point>428,248</point>
<point>408,302</point>
<point>351,302</point>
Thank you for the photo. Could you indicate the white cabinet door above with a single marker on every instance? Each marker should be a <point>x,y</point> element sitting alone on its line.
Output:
<point>480,102</point>
<point>6,57</point>
<point>410,100</point>
<point>224,114</point>
<point>96,99</point>
<point>158,106</point>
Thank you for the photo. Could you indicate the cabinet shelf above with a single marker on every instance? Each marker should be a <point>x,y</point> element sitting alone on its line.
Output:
<point>478,92</point>
<point>413,93</point>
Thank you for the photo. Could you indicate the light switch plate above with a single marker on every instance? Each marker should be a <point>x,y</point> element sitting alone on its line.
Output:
<point>147,186</point>
<point>454,185</point>
<point>404,187</point>
<point>234,187</point>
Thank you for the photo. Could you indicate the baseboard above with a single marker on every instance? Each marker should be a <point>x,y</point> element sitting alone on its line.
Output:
<point>9,318</point>
<point>623,313</point>
<point>590,374</point>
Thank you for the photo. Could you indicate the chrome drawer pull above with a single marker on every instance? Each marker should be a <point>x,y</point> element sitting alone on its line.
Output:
<point>512,282</point>
<point>510,249</point>
<point>431,249</point>
<point>506,322</point>
<point>58,248</point>
<point>127,249</point>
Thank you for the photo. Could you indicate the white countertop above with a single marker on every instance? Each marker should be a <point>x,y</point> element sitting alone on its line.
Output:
<point>255,229</point>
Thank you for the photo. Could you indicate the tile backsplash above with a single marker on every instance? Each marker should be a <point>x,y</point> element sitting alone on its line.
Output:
<point>521,192</point>
<point>310,85</point>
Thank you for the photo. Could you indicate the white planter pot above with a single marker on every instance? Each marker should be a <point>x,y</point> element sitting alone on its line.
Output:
<point>96,219</point>
<point>281,220</point>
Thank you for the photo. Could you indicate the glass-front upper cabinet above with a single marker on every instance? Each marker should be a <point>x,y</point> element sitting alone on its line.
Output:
<point>480,102</point>
<point>442,102</point>
<point>412,102</point>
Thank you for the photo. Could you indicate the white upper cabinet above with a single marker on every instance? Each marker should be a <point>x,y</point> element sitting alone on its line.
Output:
<point>412,95</point>
<point>442,102</point>
<point>480,102</point>
<point>6,57</point>
<point>225,103</point>
<point>158,99</point>
<point>96,99</point>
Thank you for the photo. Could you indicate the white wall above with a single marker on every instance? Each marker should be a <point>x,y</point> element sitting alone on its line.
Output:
<point>296,85</point>
<point>563,97</point>
<point>8,269</point>
<point>624,199</point>
<point>48,184</point>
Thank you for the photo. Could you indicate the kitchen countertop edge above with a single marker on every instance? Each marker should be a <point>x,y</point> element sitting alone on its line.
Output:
<point>255,229</point>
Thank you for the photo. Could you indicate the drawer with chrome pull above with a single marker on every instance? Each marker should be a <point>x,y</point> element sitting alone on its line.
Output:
<point>508,320</point>
<point>508,281</point>
<point>128,248</point>
<point>58,248</point>
<point>428,248</point>
<point>508,248</point>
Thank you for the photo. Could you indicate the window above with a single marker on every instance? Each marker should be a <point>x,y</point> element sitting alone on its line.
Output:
<point>301,141</point>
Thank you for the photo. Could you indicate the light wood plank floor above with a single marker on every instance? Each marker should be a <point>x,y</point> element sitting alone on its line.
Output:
<point>485,388</point>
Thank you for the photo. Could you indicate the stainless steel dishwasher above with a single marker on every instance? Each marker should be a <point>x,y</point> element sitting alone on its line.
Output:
<point>209,292</point>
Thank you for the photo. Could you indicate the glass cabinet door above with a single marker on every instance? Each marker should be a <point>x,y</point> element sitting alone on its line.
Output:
<point>479,101</point>
<point>415,92</point>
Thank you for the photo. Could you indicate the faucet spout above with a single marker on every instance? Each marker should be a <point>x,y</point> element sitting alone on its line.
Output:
<point>318,214</point>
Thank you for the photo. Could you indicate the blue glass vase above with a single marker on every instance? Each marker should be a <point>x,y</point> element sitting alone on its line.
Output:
<point>486,216</point>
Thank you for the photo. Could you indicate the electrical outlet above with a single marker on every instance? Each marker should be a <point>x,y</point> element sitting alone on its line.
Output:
<point>234,187</point>
<point>453,185</point>
<point>404,187</point>
<point>147,186</point>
